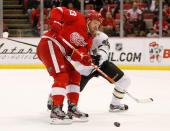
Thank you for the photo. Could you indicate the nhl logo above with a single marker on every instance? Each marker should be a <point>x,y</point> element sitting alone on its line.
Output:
<point>118,46</point>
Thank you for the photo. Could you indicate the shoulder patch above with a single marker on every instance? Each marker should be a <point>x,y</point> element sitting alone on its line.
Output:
<point>106,42</point>
<point>97,34</point>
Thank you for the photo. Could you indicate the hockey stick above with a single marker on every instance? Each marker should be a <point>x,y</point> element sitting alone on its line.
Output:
<point>107,77</point>
<point>21,42</point>
<point>146,100</point>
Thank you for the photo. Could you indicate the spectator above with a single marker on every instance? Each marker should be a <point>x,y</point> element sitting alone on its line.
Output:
<point>115,11</point>
<point>25,3</point>
<point>36,15</point>
<point>97,4</point>
<point>46,25</point>
<point>136,32</point>
<point>140,24</point>
<point>64,3</point>
<point>117,30</point>
<point>152,33</point>
<point>21,2</point>
<point>133,13</point>
<point>117,2</point>
<point>111,2</point>
<point>31,7</point>
<point>108,24</point>
<point>165,33</point>
<point>127,2</point>
<point>154,7</point>
<point>106,1</point>
<point>104,10</point>
<point>56,3</point>
<point>36,2</point>
<point>53,6</point>
<point>128,28</point>
<point>142,34</point>
<point>49,10</point>
<point>48,3</point>
<point>137,1</point>
<point>166,2</point>
<point>164,25</point>
<point>76,3</point>
<point>71,6</point>
<point>166,12</point>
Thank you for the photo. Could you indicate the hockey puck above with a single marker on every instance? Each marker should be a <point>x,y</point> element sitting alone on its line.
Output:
<point>151,99</point>
<point>117,124</point>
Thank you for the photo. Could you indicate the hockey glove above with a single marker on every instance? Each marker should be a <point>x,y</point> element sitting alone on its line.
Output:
<point>56,26</point>
<point>96,59</point>
<point>83,58</point>
<point>86,59</point>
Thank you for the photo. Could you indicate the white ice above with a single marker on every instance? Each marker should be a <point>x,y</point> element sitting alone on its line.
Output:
<point>24,93</point>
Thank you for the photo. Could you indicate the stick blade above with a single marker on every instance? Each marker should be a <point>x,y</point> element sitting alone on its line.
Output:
<point>147,100</point>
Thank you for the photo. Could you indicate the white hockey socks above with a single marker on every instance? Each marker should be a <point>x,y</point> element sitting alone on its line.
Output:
<point>120,90</point>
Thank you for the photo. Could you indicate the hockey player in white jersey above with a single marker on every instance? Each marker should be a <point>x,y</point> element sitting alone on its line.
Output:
<point>99,53</point>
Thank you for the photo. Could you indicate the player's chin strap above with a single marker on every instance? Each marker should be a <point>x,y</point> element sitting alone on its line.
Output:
<point>107,77</point>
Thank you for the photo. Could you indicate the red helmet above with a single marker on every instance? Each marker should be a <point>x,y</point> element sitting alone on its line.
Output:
<point>92,14</point>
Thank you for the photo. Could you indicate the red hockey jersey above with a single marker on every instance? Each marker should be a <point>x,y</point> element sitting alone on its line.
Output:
<point>73,30</point>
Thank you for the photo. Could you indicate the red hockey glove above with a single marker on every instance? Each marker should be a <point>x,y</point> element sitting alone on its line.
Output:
<point>56,26</point>
<point>86,59</point>
<point>83,58</point>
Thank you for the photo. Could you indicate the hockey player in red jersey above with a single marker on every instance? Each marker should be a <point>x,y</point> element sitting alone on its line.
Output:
<point>52,51</point>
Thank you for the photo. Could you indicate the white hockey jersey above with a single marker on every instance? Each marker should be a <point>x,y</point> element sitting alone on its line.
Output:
<point>100,47</point>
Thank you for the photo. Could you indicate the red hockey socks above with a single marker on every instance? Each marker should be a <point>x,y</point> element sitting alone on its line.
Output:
<point>58,100</point>
<point>73,97</point>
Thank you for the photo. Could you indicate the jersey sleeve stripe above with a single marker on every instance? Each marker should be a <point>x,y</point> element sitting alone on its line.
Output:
<point>103,50</point>
<point>100,46</point>
<point>60,9</point>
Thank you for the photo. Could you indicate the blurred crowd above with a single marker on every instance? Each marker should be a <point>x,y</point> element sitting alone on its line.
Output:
<point>141,17</point>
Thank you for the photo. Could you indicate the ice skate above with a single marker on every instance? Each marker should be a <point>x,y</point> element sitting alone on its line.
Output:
<point>75,114</point>
<point>50,102</point>
<point>117,108</point>
<point>58,116</point>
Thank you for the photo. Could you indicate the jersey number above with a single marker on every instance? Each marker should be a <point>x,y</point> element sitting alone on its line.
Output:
<point>73,13</point>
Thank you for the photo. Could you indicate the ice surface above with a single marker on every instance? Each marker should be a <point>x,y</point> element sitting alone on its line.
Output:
<point>24,93</point>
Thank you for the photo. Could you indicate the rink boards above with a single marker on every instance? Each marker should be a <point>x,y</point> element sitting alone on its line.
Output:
<point>127,53</point>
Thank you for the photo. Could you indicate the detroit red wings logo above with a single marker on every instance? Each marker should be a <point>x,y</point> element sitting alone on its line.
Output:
<point>77,39</point>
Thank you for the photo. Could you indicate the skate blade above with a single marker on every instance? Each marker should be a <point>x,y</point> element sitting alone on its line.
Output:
<point>117,110</point>
<point>56,121</point>
<point>84,119</point>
